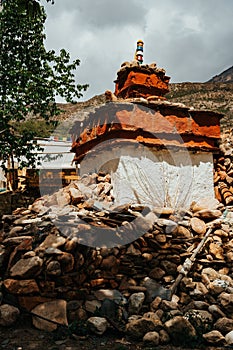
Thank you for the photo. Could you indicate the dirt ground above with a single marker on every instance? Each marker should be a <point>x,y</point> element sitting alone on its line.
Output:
<point>23,336</point>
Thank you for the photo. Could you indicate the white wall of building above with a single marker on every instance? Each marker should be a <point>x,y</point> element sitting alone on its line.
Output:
<point>163,178</point>
<point>164,183</point>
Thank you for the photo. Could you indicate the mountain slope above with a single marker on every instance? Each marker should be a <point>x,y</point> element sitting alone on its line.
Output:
<point>214,96</point>
<point>224,77</point>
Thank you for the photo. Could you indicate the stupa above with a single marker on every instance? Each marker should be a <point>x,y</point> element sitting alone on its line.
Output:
<point>159,153</point>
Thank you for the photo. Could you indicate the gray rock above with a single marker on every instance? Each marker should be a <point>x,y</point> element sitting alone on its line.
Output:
<point>229,338</point>
<point>111,294</point>
<point>97,325</point>
<point>218,286</point>
<point>92,305</point>
<point>135,302</point>
<point>155,289</point>
<point>8,315</point>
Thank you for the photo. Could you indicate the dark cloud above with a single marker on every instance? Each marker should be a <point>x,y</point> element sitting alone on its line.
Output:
<point>190,39</point>
<point>102,14</point>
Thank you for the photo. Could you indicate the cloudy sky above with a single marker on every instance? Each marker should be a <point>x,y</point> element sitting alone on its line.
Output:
<point>190,39</point>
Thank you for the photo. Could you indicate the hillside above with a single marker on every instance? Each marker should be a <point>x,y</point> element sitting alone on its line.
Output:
<point>225,77</point>
<point>214,96</point>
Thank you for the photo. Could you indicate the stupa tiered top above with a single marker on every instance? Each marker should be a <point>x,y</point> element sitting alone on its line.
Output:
<point>135,79</point>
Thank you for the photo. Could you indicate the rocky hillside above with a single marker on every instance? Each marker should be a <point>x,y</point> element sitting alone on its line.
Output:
<point>224,77</point>
<point>214,96</point>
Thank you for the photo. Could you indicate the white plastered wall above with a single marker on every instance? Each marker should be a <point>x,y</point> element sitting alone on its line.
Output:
<point>164,178</point>
<point>164,183</point>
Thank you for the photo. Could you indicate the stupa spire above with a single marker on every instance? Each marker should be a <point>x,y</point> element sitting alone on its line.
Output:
<point>139,52</point>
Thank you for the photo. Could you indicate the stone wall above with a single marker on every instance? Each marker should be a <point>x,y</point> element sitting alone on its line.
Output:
<point>154,287</point>
<point>9,201</point>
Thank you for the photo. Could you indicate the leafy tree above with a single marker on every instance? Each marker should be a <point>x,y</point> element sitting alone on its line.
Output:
<point>31,77</point>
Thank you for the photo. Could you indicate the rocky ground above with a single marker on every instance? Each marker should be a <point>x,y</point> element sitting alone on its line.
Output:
<point>23,336</point>
<point>170,285</point>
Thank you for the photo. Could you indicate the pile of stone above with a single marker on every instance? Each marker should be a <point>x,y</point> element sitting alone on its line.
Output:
<point>158,275</point>
<point>223,177</point>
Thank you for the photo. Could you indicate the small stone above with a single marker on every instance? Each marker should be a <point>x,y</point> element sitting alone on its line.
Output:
<point>164,337</point>
<point>147,256</point>
<point>26,268</point>
<point>18,240</point>
<point>52,310</point>
<point>110,262</point>
<point>112,294</point>
<point>226,300</point>
<point>135,302</point>
<point>224,325</point>
<point>217,286</point>
<point>180,330</point>
<point>92,306</point>
<point>155,304</point>
<point>200,305</point>
<point>229,338</point>
<point>53,268</point>
<point>216,250</point>
<point>62,198</point>
<point>21,287</point>
<point>155,289</point>
<point>183,232</point>
<point>169,267</point>
<point>209,274</point>
<point>198,226</point>
<point>133,251</point>
<point>216,311</point>
<point>97,325</point>
<point>15,231</point>
<point>151,338</point>
<point>163,211</point>
<point>8,315</point>
<point>205,203</point>
<point>214,337</point>
<point>76,195</point>
<point>200,319</point>
<point>168,305</point>
<point>199,290</point>
<point>138,328</point>
<point>208,214</point>
<point>66,261</point>
<point>157,273</point>
<point>161,238</point>
<point>53,241</point>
